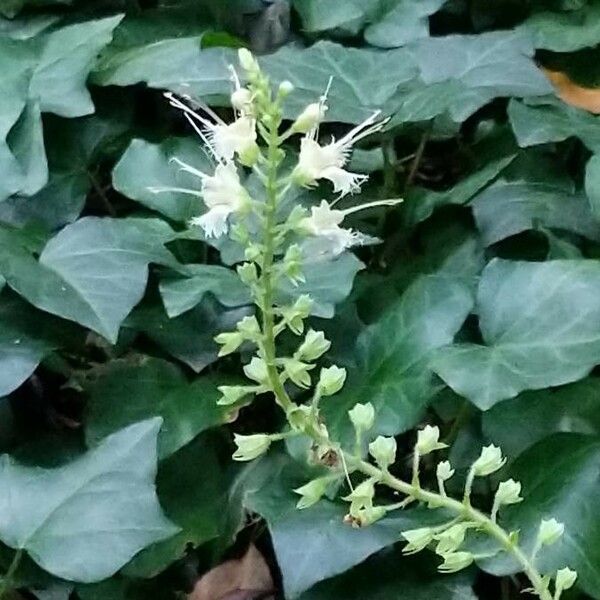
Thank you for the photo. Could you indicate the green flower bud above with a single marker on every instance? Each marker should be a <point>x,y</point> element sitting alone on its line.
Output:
<point>248,62</point>
<point>456,561</point>
<point>549,532</point>
<point>297,371</point>
<point>331,380</point>
<point>508,493</point>
<point>292,264</point>
<point>312,492</point>
<point>229,342</point>
<point>249,328</point>
<point>361,496</point>
<point>252,252</point>
<point>256,370</point>
<point>294,315</point>
<point>299,417</point>
<point>250,447</point>
<point>565,580</point>
<point>231,394</point>
<point>489,461</point>
<point>362,416</point>
<point>247,273</point>
<point>428,440</point>
<point>309,118</point>
<point>313,346</point>
<point>383,450</point>
<point>248,156</point>
<point>444,471</point>
<point>418,539</point>
<point>366,516</point>
<point>451,539</point>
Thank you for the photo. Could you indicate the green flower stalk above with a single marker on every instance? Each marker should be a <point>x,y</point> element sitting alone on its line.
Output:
<point>255,140</point>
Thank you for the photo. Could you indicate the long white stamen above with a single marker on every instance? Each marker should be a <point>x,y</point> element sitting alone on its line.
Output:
<point>159,190</point>
<point>314,134</point>
<point>203,137</point>
<point>365,128</point>
<point>390,202</point>
<point>189,169</point>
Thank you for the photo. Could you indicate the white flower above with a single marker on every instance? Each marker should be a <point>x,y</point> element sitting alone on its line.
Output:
<point>383,450</point>
<point>327,162</point>
<point>223,195</point>
<point>418,539</point>
<point>324,222</point>
<point>509,492</point>
<point>456,561</point>
<point>224,140</point>
<point>444,471</point>
<point>362,416</point>
<point>250,447</point>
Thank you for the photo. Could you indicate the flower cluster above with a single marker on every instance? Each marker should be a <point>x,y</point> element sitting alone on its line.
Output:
<point>254,141</point>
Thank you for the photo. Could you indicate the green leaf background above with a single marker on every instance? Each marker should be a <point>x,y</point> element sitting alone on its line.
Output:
<point>479,310</point>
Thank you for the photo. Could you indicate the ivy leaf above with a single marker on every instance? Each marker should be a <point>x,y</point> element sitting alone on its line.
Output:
<point>67,56</point>
<point>517,424</point>
<point>189,337</point>
<point>421,203</point>
<point>383,575</point>
<point>93,272</point>
<point>66,518</point>
<point>559,481</point>
<point>550,120</point>
<point>403,22</point>
<point>192,491</point>
<point>347,17</point>
<point>565,31</point>
<point>182,294</point>
<point>510,207</point>
<point>357,88</point>
<point>314,544</point>
<point>537,332</point>
<point>160,390</point>
<point>393,355</point>
<point>160,171</point>
<point>461,73</point>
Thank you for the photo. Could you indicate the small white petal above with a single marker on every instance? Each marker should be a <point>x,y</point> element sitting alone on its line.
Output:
<point>213,222</point>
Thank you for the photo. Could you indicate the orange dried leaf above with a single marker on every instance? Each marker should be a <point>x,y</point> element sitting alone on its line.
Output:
<point>572,93</point>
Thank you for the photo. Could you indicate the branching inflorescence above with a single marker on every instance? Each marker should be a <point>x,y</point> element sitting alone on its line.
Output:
<point>277,253</point>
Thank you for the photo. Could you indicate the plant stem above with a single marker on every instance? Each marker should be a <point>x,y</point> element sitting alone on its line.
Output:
<point>7,580</point>
<point>268,320</point>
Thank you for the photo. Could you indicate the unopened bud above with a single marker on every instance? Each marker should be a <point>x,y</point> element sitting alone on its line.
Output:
<point>229,342</point>
<point>249,327</point>
<point>451,539</point>
<point>286,88</point>
<point>489,461</point>
<point>249,154</point>
<point>256,370</point>
<point>418,539</point>
<point>508,492</point>
<point>312,492</point>
<point>247,273</point>
<point>241,99</point>
<point>230,394</point>
<point>247,60</point>
<point>313,346</point>
<point>309,118</point>
<point>444,470</point>
<point>331,380</point>
<point>428,440</point>
<point>383,450</point>
<point>250,447</point>
<point>456,561</point>
<point>362,416</point>
<point>550,532</point>
<point>565,580</point>
<point>297,371</point>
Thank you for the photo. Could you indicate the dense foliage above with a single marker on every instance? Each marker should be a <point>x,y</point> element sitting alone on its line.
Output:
<point>472,306</point>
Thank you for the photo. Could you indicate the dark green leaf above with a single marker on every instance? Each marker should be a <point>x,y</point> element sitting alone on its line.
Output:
<point>538,333</point>
<point>127,393</point>
<point>66,518</point>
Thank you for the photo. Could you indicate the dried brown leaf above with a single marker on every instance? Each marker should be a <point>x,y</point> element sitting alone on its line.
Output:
<point>247,578</point>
